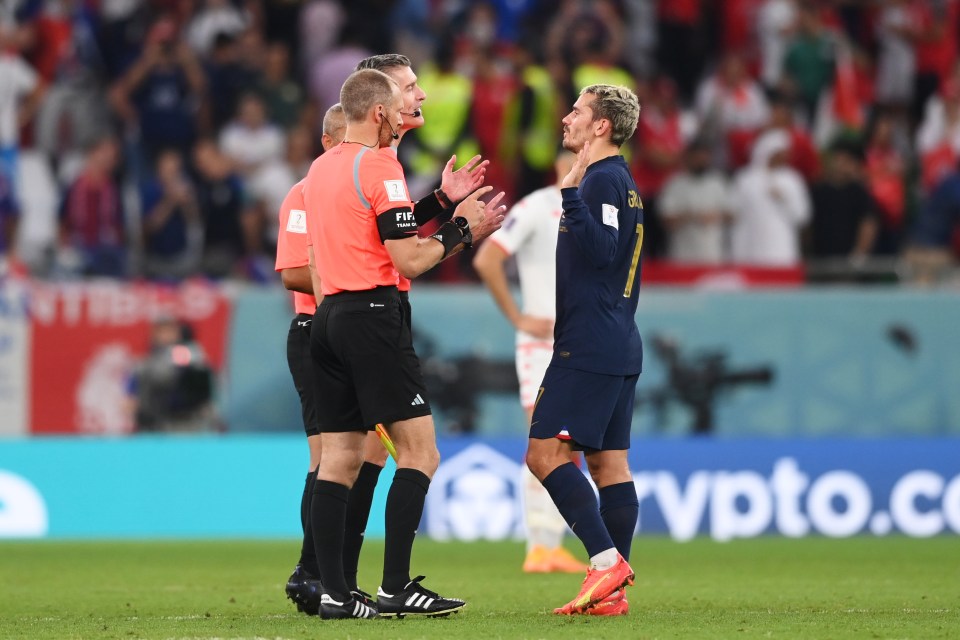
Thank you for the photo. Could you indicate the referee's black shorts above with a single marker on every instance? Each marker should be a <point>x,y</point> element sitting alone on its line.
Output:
<point>407,309</point>
<point>364,361</point>
<point>301,368</point>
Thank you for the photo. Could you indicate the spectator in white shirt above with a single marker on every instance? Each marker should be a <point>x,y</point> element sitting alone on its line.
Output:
<point>21,90</point>
<point>693,207</point>
<point>732,107</point>
<point>270,184</point>
<point>896,58</point>
<point>212,18</point>
<point>776,22</point>
<point>250,140</point>
<point>770,204</point>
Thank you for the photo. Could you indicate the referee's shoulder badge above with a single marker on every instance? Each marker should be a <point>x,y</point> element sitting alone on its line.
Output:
<point>297,222</point>
<point>610,216</point>
<point>396,191</point>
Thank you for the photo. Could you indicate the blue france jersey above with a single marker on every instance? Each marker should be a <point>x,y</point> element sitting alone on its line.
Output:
<point>598,272</point>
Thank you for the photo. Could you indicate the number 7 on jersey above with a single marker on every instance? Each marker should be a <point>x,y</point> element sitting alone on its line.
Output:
<point>632,275</point>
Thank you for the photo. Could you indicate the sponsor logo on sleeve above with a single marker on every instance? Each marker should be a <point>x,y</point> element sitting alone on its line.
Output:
<point>297,222</point>
<point>396,190</point>
<point>610,216</point>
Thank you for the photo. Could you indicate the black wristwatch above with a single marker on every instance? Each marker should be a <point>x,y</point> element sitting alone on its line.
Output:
<point>464,227</point>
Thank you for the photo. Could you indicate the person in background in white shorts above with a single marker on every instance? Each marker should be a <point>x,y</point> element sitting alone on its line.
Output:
<point>529,234</point>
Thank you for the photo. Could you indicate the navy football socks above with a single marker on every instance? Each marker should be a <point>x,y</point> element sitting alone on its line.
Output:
<point>577,503</point>
<point>619,509</point>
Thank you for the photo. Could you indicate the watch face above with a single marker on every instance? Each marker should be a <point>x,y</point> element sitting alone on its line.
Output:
<point>461,222</point>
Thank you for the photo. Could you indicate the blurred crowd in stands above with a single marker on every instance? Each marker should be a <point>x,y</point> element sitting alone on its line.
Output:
<point>156,138</point>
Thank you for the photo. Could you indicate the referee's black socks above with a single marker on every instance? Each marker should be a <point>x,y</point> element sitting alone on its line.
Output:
<point>308,556</point>
<point>404,509</point>
<point>328,510</point>
<point>358,512</point>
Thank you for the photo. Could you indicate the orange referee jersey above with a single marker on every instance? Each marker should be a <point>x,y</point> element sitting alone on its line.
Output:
<point>345,191</point>
<point>292,241</point>
<point>404,283</point>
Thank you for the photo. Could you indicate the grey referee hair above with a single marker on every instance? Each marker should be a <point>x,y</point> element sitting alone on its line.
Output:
<point>384,61</point>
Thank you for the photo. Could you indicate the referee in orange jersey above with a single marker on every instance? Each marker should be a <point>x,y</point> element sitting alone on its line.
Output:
<point>303,587</point>
<point>363,236</point>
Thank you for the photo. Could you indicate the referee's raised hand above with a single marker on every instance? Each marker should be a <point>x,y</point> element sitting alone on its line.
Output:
<point>460,183</point>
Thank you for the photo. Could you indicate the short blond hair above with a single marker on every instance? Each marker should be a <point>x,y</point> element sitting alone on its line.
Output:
<point>617,104</point>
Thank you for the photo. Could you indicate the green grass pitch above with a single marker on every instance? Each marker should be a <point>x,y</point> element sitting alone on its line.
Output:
<point>763,588</point>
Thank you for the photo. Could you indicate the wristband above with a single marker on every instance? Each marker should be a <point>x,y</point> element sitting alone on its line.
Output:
<point>450,236</point>
<point>442,197</point>
<point>426,209</point>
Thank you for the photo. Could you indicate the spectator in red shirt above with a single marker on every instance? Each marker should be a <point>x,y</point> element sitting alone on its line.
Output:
<point>660,146</point>
<point>494,87</point>
<point>803,155</point>
<point>738,18</point>
<point>92,234</point>
<point>681,48</point>
<point>936,48</point>
<point>886,167</point>
<point>938,136</point>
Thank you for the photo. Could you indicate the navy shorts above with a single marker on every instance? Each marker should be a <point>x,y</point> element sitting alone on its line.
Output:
<point>364,361</point>
<point>301,368</point>
<point>592,411</point>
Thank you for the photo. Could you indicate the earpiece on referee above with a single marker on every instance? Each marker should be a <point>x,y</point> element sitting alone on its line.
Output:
<point>393,132</point>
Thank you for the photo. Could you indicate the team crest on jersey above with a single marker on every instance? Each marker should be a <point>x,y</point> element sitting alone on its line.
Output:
<point>610,216</point>
<point>396,190</point>
<point>297,222</point>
